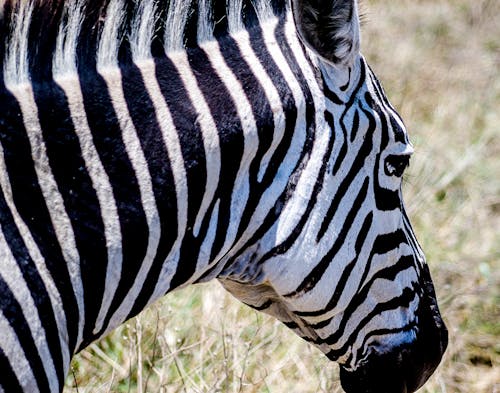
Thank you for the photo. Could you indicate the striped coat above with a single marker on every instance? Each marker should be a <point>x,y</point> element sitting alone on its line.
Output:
<point>147,145</point>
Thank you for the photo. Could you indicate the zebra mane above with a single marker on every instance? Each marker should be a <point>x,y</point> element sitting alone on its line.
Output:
<point>44,38</point>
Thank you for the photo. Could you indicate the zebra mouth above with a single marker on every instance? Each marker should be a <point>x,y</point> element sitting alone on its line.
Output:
<point>406,367</point>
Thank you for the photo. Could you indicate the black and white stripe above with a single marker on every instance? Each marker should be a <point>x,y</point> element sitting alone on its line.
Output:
<point>144,147</point>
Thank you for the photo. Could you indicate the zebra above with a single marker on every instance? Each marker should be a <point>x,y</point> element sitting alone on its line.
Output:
<point>148,145</point>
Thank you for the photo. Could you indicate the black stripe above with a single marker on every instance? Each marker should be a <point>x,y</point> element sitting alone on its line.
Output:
<point>402,301</point>
<point>413,243</point>
<point>388,242</point>
<point>352,100</point>
<point>107,138</point>
<point>14,314</point>
<point>309,142</point>
<point>9,382</point>
<point>344,87</point>
<point>329,94</point>
<point>378,248</point>
<point>356,167</point>
<point>385,199</point>
<point>31,206</point>
<point>383,97</point>
<point>383,244</point>
<point>35,285</point>
<point>411,326</point>
<point>231,138</point>
<point>317,273</point>
<point>291,325</point>
<point>398,132</point>
<point>297,72</point>
<point>287,101</point>
<point>142,112</point>
<point>290,110</point>
<point>43,31</point>
<point>374,105</point>
<point>26,265</point>
<point>189,131</point>
<point>219,16</point>
<point>355,126</point>
<point>301,163</point>
<point>346,273</point>
<point>5,11</point>
<point>79,196</point>
<point>263,116</point>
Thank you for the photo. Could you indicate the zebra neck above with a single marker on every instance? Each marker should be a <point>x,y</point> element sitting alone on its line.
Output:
<point>158,173</point>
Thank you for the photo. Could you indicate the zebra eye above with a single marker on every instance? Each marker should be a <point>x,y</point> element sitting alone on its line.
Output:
<point>395,165</point>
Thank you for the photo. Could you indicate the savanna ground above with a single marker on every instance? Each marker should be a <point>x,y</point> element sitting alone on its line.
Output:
<point>440,63</point>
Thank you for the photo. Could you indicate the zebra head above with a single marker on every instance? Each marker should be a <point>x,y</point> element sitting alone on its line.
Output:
<point>346,272</point>
<point>249,142</point>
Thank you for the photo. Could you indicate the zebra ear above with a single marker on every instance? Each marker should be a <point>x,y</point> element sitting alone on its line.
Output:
<point>329,27</point>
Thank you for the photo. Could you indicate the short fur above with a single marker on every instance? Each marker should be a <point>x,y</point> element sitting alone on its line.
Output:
<point>55,37</point>
<point>329,27</point>
<point>48,37</point>
<point>247,159</point>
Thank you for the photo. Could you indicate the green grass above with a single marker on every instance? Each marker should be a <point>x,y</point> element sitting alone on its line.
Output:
<point>439,61</point>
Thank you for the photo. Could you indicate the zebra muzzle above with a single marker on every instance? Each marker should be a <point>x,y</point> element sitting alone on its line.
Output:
<point>405,368</point>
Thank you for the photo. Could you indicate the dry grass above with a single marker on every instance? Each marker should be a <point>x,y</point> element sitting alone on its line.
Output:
<point>440,62</point>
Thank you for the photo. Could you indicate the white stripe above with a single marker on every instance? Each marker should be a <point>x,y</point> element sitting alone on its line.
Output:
<point>103,189</point>
<point>390,319</point>
<point>206,248</point>
<point>243,41</point>
<point>113,79</point>
<point>282,177</point>
<point>53,199</point>
<point>383,261</point>
<point>345,254</point>
<point>15,353</point>
<point>241,187</point>
<point>389,107</point>
<point>367,307</point>
<point>174,152</point>
<point>39,262</point>
<point>13,277</point>
<point>209,134</point>
<point>297,204</point>
<point>414,244</point>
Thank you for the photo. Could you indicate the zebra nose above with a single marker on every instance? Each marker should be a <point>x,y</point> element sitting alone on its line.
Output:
<point>403,369</point>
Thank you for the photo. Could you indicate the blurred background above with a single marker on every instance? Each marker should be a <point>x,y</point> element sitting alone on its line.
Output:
<point>440,63</point>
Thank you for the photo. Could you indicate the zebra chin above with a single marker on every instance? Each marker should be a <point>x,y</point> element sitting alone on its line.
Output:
<point>404,368</point>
